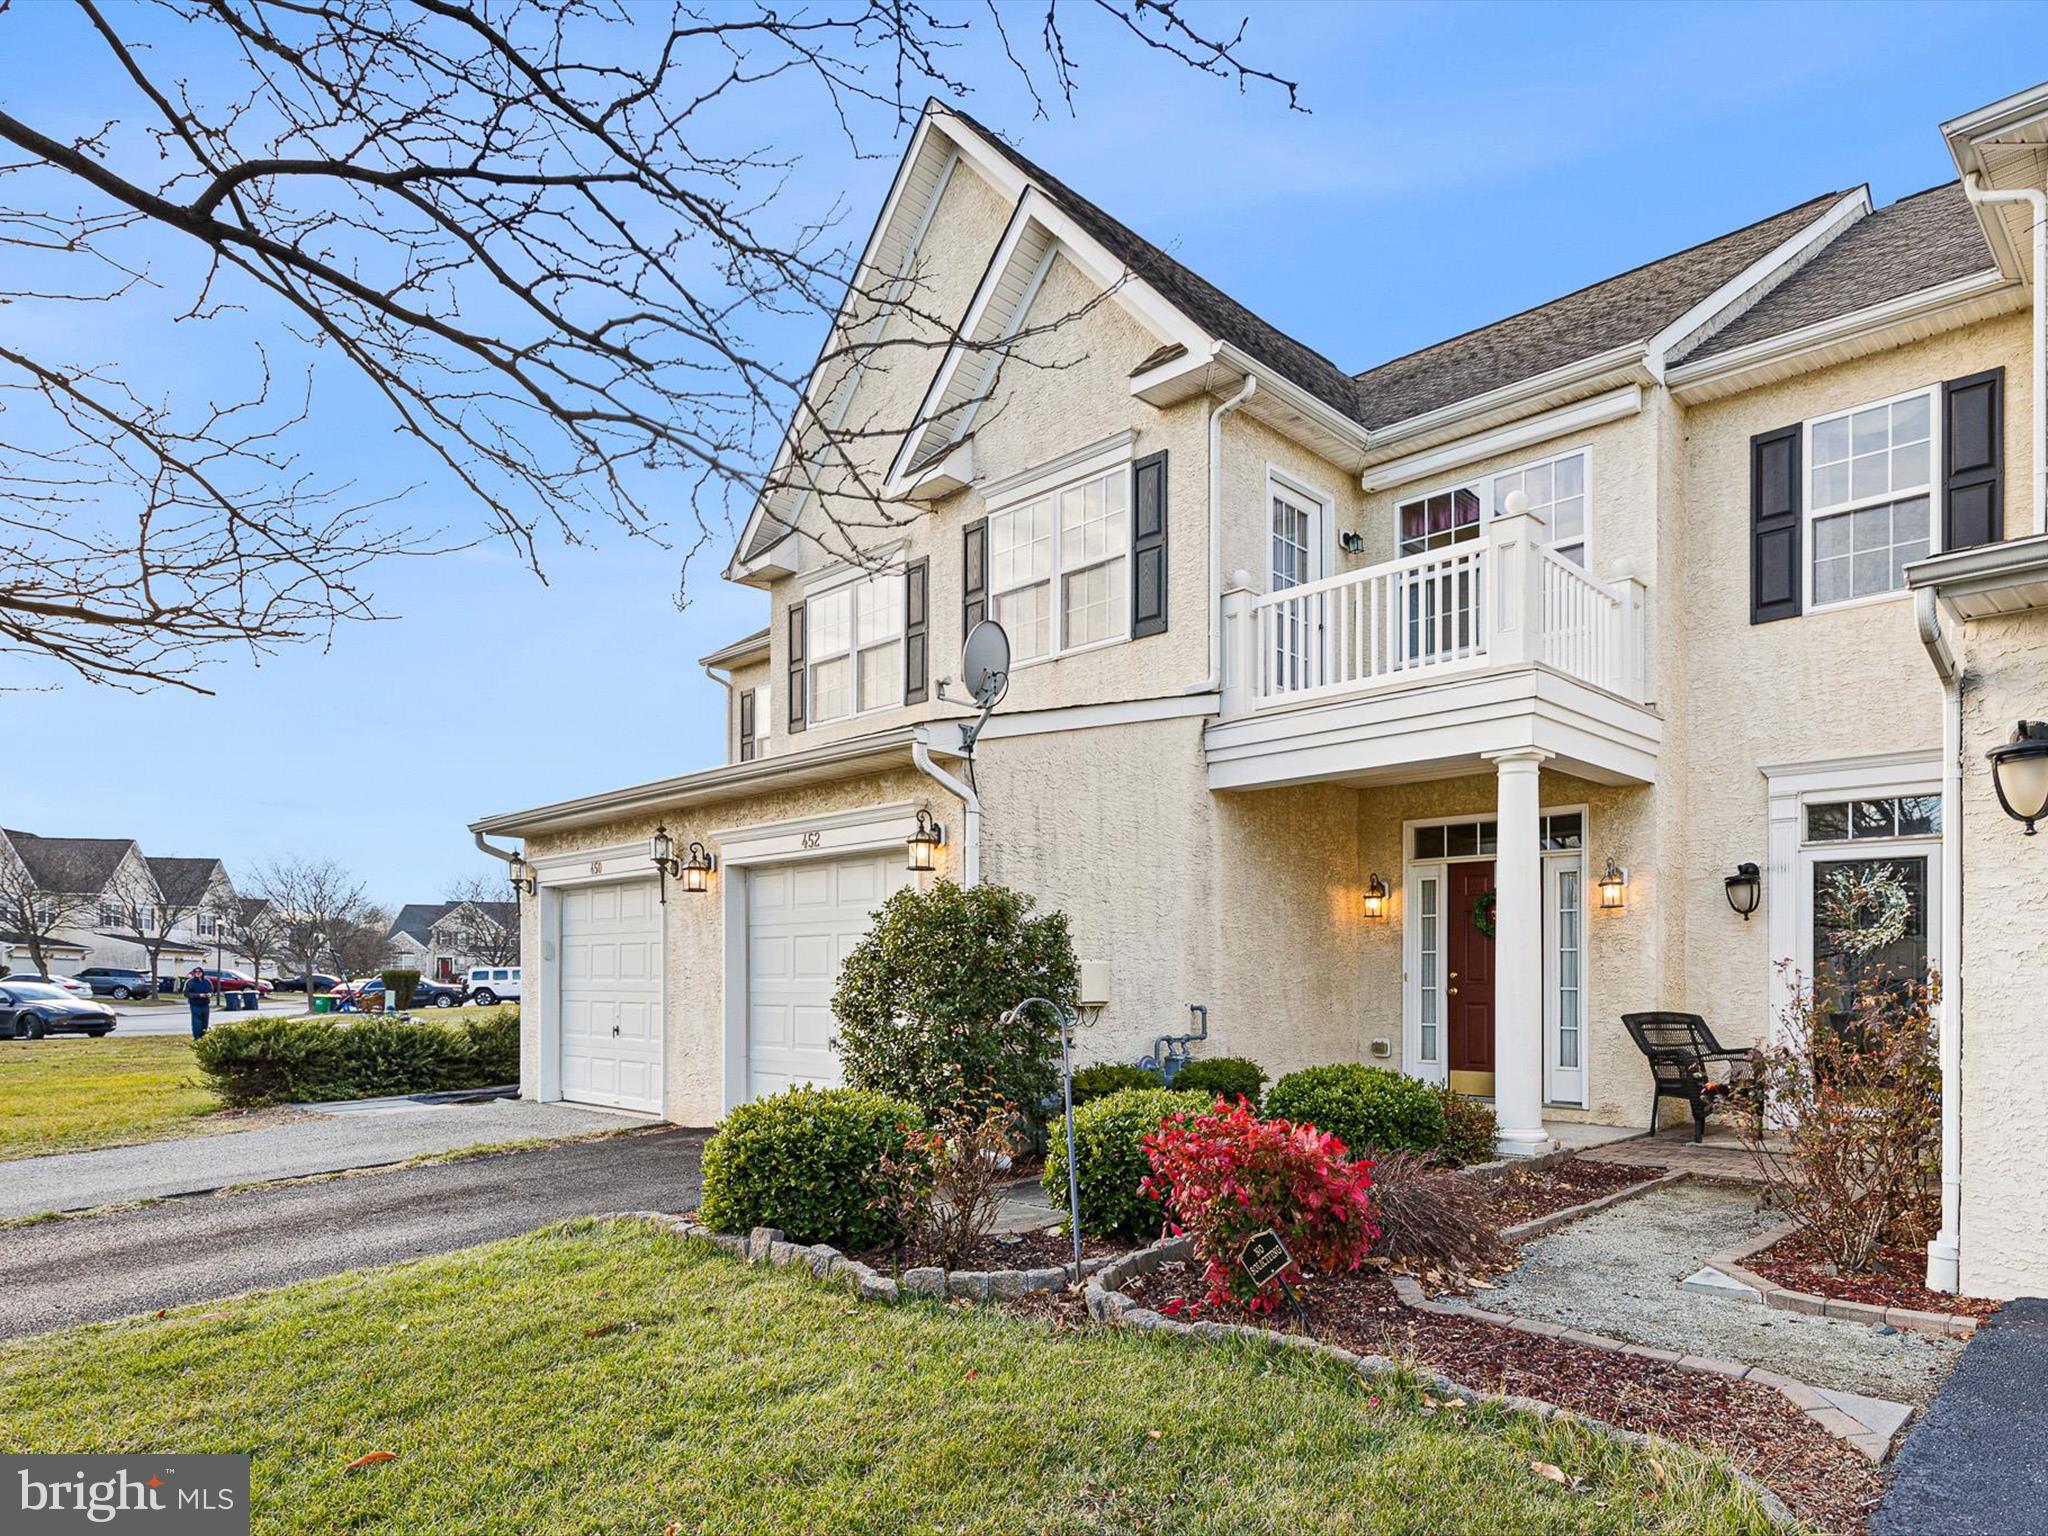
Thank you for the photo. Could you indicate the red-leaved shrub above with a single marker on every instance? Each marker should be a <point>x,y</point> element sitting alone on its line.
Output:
<point>1228,1175</point>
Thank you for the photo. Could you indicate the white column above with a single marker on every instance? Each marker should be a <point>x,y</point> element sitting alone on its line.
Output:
<point>1518,954</point>
<point>1240,648</point>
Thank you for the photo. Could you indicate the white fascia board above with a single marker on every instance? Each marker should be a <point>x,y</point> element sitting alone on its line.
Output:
<point>743,649</point>
<point>1964,136</point>
<point>1759,277</point>
<point>1728,371</point>
<point>1615,405</point>
<point>1618,362</point>
<point>1275,386</point>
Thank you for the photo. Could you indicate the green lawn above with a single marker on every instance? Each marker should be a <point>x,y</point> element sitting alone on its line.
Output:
<point>67,1095</point>
<point>611,1378</point>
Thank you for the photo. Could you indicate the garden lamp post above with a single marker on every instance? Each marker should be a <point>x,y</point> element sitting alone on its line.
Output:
<point>1066,1024</point>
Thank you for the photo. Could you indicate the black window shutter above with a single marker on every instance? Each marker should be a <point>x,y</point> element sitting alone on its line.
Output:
<point>1973,460</point>
<point>1774,569</point>
<point>796,666</point>
<point>917,611</point>
<point>746,725</point>
<point>973,574</point>
<point>1148,546</point>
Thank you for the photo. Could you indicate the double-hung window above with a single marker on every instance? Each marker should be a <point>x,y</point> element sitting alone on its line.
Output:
<point>1870,479</point>
<point>853,639</point>
<point>1557,489</point>
<point>1059,567</point>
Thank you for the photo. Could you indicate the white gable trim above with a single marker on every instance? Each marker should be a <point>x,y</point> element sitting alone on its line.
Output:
<point>1616,405</point>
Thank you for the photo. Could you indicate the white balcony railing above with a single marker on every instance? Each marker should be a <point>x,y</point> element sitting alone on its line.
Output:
<point>1503,601</point>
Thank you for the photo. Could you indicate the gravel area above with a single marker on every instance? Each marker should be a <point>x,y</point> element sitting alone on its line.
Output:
<point>363,1138</point>
<point>1619,1273</point>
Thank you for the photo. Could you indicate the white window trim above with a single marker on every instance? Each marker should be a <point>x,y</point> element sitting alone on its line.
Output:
<point>840,577</point>
<point>1323,533</point>
<point>1808,515</point>
<point>1046,482</point>
<point>1481,485</point>
<point>1788,884</point>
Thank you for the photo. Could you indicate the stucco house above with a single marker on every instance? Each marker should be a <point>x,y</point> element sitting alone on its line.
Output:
<point>1419,715</point>
<point>443,939</point>
<point>101,900</point>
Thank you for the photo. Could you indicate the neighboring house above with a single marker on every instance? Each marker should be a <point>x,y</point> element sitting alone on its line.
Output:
<point>197,911</point>
<point>1416,716</point>
<point>110,899</point>
<point>443,939</point>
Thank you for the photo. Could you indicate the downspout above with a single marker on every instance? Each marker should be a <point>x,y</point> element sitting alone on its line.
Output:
<point>496,853</point>
<point>970,854</point>
<point>1975,191</point>
<point>1944,1250</point>
<point>1213,683</point>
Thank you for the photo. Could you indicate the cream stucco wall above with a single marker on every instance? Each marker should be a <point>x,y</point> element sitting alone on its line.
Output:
<point>2005,957</point>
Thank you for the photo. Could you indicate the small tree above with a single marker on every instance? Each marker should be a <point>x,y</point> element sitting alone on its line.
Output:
<point>313,902</point>
<point>921,998</point>
<point>1849,1141</point>
<point>252,931</point>
<point>33,916</point>
<point>362,946</point>
<point>149,916</point>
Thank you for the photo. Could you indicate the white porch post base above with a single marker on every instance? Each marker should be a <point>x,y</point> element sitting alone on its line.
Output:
<point>1944,1262</point>
<point>1518,955</point>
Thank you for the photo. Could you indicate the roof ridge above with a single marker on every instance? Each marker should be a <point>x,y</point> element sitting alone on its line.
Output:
<point>1612,277</point>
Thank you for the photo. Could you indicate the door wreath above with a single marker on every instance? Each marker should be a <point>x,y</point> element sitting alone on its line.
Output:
<point>1482,912</point>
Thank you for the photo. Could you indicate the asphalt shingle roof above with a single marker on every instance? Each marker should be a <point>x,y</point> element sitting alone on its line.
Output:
<point>416,917</point>
<point>183,882</point>
<point>1631,307</point>
<point>1918,242</point>
<point>79,866</point>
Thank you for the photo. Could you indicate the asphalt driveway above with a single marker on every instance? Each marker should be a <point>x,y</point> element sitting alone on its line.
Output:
<point>200,1247</point>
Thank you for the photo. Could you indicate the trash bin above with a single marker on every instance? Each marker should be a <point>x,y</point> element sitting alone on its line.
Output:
<point>323,1004</point>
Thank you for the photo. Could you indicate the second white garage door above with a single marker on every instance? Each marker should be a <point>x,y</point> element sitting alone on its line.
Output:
<point>611,995</point>
<point>802,919</point>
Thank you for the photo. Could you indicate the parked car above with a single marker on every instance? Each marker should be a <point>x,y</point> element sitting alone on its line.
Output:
<point>490,984</point>
<point>70,985</point>
<point>30,1010</point>
<point>322,982</point>
<point>112,981</point>
<point>236,981</point>
<point>425,994</point>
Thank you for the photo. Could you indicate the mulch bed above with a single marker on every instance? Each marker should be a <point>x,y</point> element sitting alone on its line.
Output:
<point>1795,1262</point>
<point>1824,1481</point>
<point>1019,1250</point>
<point>1527,1193</point>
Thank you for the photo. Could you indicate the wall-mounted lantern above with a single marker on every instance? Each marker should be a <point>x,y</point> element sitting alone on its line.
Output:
<point>523,878</point>
<point>1613,887</point>
<point>1745,889</point>
<point>2019,772</point>
<point>1375,898</point>
<point>693,869</point>
<point>923,843</point>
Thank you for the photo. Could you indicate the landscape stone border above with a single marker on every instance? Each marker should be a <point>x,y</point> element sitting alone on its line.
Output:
<point>1536,1226</point>
<point>1108,1305</point>
<point>767,1245</point>
<point>1941,1325</point>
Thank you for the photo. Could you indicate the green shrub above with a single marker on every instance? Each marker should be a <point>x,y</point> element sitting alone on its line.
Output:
<point>1368,1108</point>
<point>398,985</point>
<point>1109,1147</point>
<point>807,1161</point>
<point>1228,1078</point>
<point>274,1061</point>
<point>1471,1129</point>
<point>920,998</point>
<point>1107,1077</point>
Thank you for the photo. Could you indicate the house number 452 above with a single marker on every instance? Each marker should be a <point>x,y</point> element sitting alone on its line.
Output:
<point>812,839</point>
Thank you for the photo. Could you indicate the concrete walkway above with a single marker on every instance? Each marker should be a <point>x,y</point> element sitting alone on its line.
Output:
<point>367,1136</point>
<point>1978,1463</point>
<point>1619,1273</point>
<point>92,1268</point>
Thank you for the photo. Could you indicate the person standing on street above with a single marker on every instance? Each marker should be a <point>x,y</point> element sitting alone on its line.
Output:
<point>199,994</point>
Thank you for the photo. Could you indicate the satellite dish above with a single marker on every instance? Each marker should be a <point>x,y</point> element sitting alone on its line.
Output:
<point>985,664</point>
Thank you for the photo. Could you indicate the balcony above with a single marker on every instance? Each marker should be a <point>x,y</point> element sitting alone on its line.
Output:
<point>1428,665</point>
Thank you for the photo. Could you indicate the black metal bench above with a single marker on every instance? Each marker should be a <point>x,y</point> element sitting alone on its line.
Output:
<point>1687,1062</point>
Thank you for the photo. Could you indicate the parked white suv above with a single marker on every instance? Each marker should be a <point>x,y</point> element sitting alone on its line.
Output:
<point>490,984</point>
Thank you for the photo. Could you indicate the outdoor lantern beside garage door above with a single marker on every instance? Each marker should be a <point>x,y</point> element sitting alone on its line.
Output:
<point>694,869</point>
<point>1613,886</point>
<point>2019,772</point>
<point>1745,889</point>
<point>923,843</point>
<point>1375,898</point>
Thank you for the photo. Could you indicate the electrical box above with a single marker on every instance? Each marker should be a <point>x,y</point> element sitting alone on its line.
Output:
<point>1094,984</point>
<point>1382,1048</point>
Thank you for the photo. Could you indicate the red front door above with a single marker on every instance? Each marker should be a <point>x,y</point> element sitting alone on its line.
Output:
<point>1468,982</point>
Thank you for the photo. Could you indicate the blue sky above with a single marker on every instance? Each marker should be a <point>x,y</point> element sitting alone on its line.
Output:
<point>1458,163</point>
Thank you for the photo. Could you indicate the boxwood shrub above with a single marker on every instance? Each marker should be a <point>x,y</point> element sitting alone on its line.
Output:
<point>1369,1108</point>
<point>807,1161</point>
<point>1107,1077</point>
<point>1228,1078</point>
<point>275,1061</point>
<point>1109,1136</point>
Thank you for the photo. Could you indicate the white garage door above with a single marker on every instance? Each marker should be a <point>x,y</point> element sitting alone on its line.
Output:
<point>802,919</point>
<point>611,995</point>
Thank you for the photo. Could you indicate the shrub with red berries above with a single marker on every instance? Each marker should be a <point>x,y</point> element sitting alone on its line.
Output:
<point>1227,1175</point>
